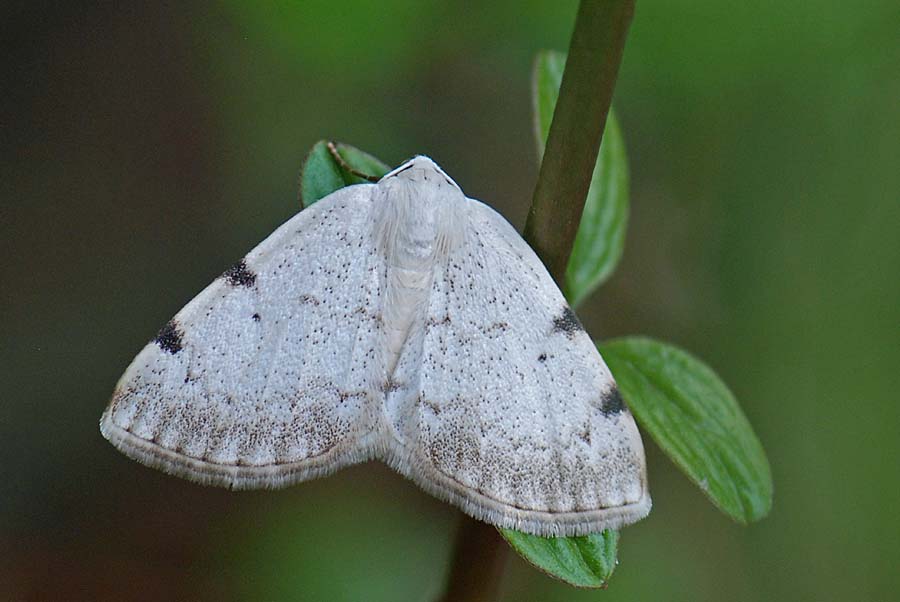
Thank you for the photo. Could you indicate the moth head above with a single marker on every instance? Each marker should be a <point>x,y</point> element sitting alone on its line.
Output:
<point>421,169</point>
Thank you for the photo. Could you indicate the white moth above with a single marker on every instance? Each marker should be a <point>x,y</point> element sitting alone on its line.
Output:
<point>400,321</point>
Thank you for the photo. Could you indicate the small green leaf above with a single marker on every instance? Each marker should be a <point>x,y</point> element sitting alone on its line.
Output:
<point>322,174</point>
<point>546,77</point>
<point>696,421</point>
<point>601,233</point>
<point>362,162</point>
<point>585,561</point>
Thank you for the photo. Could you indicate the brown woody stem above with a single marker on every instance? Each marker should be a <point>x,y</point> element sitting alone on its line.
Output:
<point>585,96</point>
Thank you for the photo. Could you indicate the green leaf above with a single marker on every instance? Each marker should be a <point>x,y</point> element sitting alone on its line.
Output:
<point>696,421</point>
<point>601,233</point>
<point>546,77</point>
<point>362,162</point>
<point>322,174</point>
<point>585,561</point>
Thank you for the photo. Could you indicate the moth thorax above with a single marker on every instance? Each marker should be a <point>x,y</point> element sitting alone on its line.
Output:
<point>419,220</point>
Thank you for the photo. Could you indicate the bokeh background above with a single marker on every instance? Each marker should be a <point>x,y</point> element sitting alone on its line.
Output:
<point>146,146</point>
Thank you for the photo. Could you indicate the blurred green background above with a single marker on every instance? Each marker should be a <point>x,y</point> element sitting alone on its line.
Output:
<point>146,146</point>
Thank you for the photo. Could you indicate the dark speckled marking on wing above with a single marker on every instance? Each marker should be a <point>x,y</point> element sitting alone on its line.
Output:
<point>169,337</point>
<point>567,322</point>
<point>612,402</point>
<point>240,275</point>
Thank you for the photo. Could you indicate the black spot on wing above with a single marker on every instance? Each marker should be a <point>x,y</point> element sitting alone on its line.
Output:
<point>170,338</point>
<point>612,402</point>
<point>240,275</point>
<point>567,322</point>
<point>256,317</point>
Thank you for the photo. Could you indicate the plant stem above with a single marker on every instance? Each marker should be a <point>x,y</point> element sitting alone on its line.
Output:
<point>478,561</point>
<point>585,95</point>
